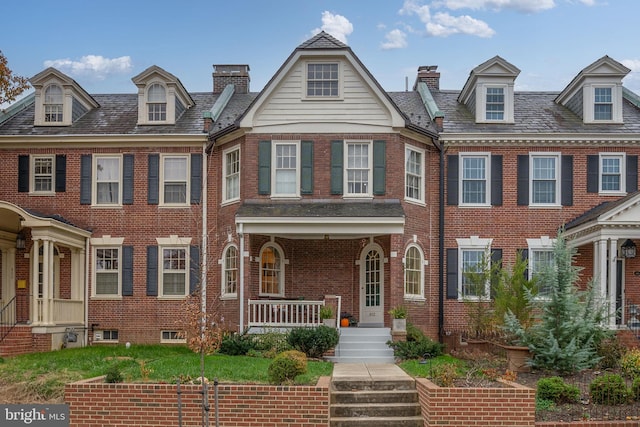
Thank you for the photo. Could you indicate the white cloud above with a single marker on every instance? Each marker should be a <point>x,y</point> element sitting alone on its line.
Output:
<point>525,6</point>
<point>444,24</point>
<point>95,66</point>
<point>395,39</point>
<point>632,80</point>
<point>336,25</point>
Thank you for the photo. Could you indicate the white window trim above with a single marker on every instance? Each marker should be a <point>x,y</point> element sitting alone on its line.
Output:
<point>94,180</point>
<point>173,242</point>
<point>223,275</point>
<point>102,339</point>
<point>481,102</point>
<point>558,158</point>
<point>143,111</point>
<point>187,202</point>
<point>369,193</point>
<point>106,242</point>
<point>274,168</point>
<point>420,296</point>
<point>623,173</point>
<point>474,243</point>
<point>487,178</point>
<point>171,340</point>
<point>282,270</point>
<point>305,78</point>
<point>224,174</point>
<point>589,103</point>
<point>409,148</point>
<point>544,243</point>
<point>32,174</point>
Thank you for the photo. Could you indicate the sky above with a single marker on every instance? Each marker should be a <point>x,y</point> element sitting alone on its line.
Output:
<point>102,45</point>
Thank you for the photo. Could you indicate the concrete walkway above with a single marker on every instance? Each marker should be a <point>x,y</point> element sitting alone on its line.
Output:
<point>369,372</point>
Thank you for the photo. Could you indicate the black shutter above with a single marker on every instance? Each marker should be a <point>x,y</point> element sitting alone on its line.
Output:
<point>153,177</point>
<point>452,179</point>
<point>127,271</point>
<point>379,167</point>
<point>152,271</point>
<point>496,180</point>
<point>592,174</point>
<point>452,273</point>
<point>523,180</point>
<point>566,185</point>
<point>61,173</point>
<point>337,167</point>
<point>496,263</point>
<point>196,178</point>
<point>524,254</point>
<point>194,273</point>
<point>85,179</point>
<point>23,174</point>
<point>127,179</point>
<point>632,174</point>
<point>306,167</point>
<point>264,167</point>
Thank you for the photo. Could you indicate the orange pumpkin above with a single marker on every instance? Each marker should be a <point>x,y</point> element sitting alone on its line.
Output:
<point>344,322</point>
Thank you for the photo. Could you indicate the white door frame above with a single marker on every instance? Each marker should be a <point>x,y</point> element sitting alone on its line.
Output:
<point>371,314</point>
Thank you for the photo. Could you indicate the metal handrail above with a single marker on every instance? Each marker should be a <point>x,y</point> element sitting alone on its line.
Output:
<point>7,318</point>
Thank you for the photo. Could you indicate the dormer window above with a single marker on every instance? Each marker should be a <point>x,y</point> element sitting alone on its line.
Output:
<point>157,103</point>
<point>603,103</point>
<point>495,103</point>
<point>53,104</point>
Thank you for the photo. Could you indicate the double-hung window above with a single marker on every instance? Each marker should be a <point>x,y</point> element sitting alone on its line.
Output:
<point>175,180</point>
<point>286,171</point>
<point>473,268</point>
<point>545,179</point>
<point>414,174</point>
<point>230,272</point>
<point>174,271</point>
<point>108,180</point>
<point>612,173</point>
<point>358,176</point>
<point>602,103</point>
<point>474,177</point>
<point>413,273</point>
<point>157,103</point>
<point>43,174</point>
<point>107,271</point>
<point>541,257</point>
<point>494,103</point>
<point>53,104</point>
<point>323,80</point>
<point>231,167</point>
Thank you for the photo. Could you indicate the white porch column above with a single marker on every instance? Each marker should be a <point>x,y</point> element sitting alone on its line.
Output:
<point>8,278</point>
<point>35,297</point>
<point>601,268</point>
<point>47,276</point>
<point>611,306</point>
<point>77,274</point>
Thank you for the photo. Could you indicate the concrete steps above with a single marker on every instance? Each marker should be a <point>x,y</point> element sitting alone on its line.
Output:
<point>363,345</point>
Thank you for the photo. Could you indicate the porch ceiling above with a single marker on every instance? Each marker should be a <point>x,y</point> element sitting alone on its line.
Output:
<point>322,219</point>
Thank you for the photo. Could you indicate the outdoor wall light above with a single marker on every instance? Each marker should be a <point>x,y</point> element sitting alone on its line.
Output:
<point>628,249</point>
<point>21,241</point>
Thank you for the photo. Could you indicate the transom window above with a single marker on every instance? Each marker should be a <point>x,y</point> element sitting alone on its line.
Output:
<point>322,80</point>
<point>107,269</point>
<point>271,271</point>
<point>230,272</point>
<point>53,104</point>
<point>358,169</point>
<point>108,176</point>
<point>157,103</point>
<point>232,175</point>
<point>475,184</point>
<point>174,271</point>
<point>495,103</point>
<point>603,103</point>
<point>286,170</point>
<point>545,184</point>
<point>175,180</point>
<point>413,273</point>
<point>414,174</point>
<point>612,174</point>
<point>43,175</point>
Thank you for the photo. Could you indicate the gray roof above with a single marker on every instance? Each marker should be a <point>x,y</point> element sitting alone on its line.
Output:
<point>117,115</point>
<point>599,210</point>
<point>534,112</point>
<point>385,208</point>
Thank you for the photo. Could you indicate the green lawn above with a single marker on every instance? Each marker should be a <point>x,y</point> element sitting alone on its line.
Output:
<point>43,375</point>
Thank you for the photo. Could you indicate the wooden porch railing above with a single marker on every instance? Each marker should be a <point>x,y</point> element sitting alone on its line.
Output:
<point>63,311</point>
<point>284,313</point>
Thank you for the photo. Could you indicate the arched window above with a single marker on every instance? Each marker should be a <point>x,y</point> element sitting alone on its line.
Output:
<point>230,272</point>
<point>157,103</point>
<point>271,270</point>
<point>413,273</point>
<point>53,104</point>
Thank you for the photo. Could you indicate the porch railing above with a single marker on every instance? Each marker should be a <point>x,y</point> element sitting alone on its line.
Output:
<point>7,318</point>
<point>284,313</point>
<point>63,311</point>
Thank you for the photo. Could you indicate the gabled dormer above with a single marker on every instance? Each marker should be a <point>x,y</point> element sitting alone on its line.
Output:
<point>59,100</point>
<point>161,97</point>
<point>595,94</point>
<point>488,92</point>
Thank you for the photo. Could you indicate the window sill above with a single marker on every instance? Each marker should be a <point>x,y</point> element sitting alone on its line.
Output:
<point>415,202</point>
<point>229,297</point>
<point>412,298</point>
<point>612,193</point>
<point>230,202</point>
<point>472,206</point>
<point>105,206</point>
<point>545,206</point>
<point>175,206</point>
<point>42,193</point>
<point>171,297</point>
<point>358,197</point>
<point>106,297</point>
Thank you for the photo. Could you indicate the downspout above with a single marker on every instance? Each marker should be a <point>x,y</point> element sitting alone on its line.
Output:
<point>441,249</point>
<point>240,232</point>
<point>204,248</point>
<point>86,292</point>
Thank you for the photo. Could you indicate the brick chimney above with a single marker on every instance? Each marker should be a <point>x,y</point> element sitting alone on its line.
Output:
<point>237,75</point>
<point>429,75</point>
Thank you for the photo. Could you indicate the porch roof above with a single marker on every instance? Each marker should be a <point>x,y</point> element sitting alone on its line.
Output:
<point>322,219</point>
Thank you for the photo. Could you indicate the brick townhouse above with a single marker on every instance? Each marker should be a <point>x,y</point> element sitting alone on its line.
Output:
<point>322,188</point>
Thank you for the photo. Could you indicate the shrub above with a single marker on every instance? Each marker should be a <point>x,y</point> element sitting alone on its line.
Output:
<point>313,342</point>
<point>630,363</point>
<point>236,344</point>
<point>611,352</point>
<point>270,344</point>
<point>635,389</point>
<point>609,389</point>
<point>444,374</point>
<point>114,375</point>
<point>424,348</point>
<point>557,391</point>
<point>286,366</point>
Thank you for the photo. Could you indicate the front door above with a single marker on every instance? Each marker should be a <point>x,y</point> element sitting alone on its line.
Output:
<point>372,287</point>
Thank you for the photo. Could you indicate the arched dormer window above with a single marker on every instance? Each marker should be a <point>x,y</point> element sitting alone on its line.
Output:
<point>53,101</point>
<point>157,103</point>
